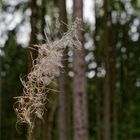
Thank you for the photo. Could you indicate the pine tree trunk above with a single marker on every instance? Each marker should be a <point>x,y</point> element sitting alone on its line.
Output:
<point>128,90</point>
<point>97,89</point>
<point>97,80</point>
<point>43,13</point>
<point>64,106</point>
<point>0,95</point>
<point>113,84</point>
<point>98,111</point>
<point>37,16</point>
<point>33,21</point>
<point>49,120</point>
<point>80,102</point>
<point>33,41</point>
<point>106,134</point>
<point>113,96</point>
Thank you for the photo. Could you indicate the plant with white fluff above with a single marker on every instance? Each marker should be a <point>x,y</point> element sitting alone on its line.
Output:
<point>31,104</point>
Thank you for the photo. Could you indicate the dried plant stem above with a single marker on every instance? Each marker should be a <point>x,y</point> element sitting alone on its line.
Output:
<point>46,66</point>
<point>30,133</point>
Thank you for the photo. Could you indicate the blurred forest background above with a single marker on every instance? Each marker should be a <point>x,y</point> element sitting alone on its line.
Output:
<point>99,95</point>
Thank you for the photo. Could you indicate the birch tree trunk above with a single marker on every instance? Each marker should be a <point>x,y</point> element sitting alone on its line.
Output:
<point>80,109</point>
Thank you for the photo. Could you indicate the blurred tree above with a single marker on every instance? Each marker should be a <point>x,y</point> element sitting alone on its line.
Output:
<point>106,135</point>
<point>34,29</point>
<point>80,103</point>
<point>34,54</point>
<point>117,33</point>
<point>97,79</point>
<point>64,105</point>
<point>113,92</point>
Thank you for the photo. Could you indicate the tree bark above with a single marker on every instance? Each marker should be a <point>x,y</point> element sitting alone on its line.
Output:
<point>128,90</point>
<point>113,89</point>
<point>33,40</point>
<point>33,22</point>
<point>80,102</point>
<point>97,89</point>
<point>106,134</point>
<point>0,94</point>
<point>43,13</point>
<point>64,106</point>
<point>98,107</point>
<point>49,120</point>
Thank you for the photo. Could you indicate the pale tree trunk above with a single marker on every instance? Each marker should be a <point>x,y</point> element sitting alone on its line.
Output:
<point>106,135</point>
<point>80,102</point>
<point>64,112</point>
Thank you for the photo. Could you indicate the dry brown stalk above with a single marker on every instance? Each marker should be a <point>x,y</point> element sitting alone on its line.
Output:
<point>31,104</point>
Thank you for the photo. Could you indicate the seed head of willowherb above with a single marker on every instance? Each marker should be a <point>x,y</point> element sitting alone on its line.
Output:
<point>31,104</point>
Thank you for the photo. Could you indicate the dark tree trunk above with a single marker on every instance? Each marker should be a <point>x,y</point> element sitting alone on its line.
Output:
<point>97,80</point>
<point>33,36</point>
<point>37,17</point>
<point>114,97</point>
<point>98,108</point>
<point>64,106</point>
<point>128,90</point>
<point>80,101</point>
<point>0,95</point>
<point>33,41</point>
<point>113,89</point>
<point>97,89</point>
<point>49,120</point>
<point>43,13</point>
<point>106,135</point>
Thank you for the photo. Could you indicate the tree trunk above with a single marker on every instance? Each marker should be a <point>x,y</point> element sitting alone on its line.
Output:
<point>64,106</point>
<point>0,95</point>
<point>114,97</point>
<point>43,13</point>
<point>98,107</point>
<point>97,89</point>
<point>80,101</point>
<point>106,135</point>
<point>97,80</point>
<point>128,90</point>
<point>33,21</point>
<point>33,38</point>
<point>49,120</point>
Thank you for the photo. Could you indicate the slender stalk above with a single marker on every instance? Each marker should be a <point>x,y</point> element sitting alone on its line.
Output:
<point>30,133</point>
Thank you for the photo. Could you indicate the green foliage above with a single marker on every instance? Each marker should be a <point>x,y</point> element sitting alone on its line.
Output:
<point>14,63</point>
